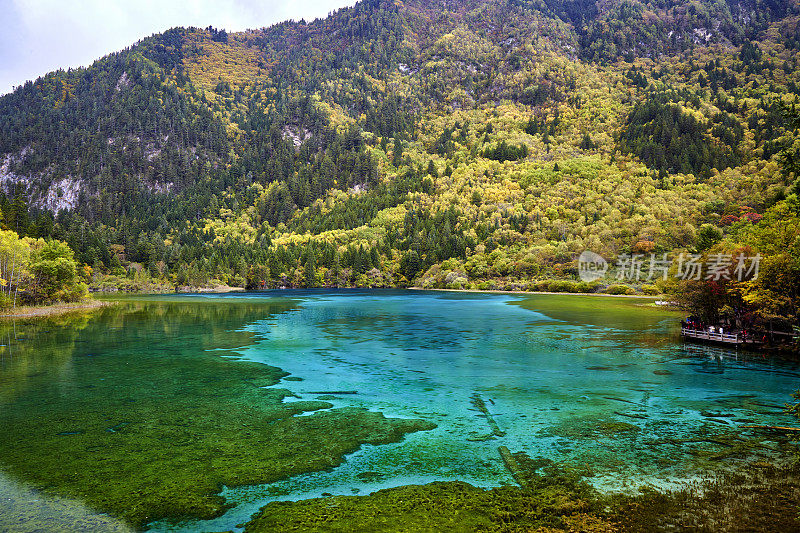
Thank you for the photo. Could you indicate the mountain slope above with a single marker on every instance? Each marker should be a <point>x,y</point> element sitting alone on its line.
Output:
<point>431,142</point>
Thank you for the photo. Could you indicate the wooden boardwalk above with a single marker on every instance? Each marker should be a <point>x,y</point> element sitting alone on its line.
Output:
<point>699,335</point>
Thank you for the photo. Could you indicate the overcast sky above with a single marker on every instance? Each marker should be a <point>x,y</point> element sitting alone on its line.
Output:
<point>38,36</point>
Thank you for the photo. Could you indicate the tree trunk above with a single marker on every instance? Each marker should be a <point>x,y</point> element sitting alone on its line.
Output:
<point>13,269</point>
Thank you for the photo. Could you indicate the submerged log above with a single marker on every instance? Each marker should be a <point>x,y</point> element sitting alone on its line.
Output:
<point>512,465</point>
<point>772,428</point>
<point>631,415</point>
<point>618,399</point>
<point>480,405</point>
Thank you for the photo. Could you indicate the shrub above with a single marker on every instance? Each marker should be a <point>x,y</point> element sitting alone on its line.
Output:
<point>563,286</point>
<point>540,286</point>
<point>619,289</point>
<point>585,287</point>
<point>651,290</point>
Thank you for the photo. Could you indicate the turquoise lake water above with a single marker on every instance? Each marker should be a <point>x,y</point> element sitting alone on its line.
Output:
<point>600,384</point>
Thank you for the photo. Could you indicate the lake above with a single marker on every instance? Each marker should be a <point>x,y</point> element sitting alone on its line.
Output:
<point>190,412</point>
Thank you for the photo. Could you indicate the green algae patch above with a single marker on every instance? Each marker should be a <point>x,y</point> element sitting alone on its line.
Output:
<point>549,498</point>
<point>590,427</point>
<point>139,414</point>
<point>443,506</point>
<point>758,496</point>
<point>611,429</point>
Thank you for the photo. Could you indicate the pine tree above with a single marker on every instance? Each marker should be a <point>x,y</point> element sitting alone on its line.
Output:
<point>310,269</point>
<point>432,169</point>
<point>397,153</point>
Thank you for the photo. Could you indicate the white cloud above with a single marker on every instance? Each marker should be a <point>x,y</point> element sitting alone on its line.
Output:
<point>39,36</point>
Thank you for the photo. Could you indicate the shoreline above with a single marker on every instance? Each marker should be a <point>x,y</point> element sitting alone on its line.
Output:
<point>182,289</point>
<point>46,311</point>
<point>532,293</point>
<point>241,290</point>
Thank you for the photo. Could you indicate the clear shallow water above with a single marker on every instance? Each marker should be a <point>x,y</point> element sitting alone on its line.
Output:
<point>600,384</point>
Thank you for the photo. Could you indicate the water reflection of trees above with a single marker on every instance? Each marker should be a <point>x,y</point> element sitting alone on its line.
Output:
<point>36,351</point>
<point>42,350</point>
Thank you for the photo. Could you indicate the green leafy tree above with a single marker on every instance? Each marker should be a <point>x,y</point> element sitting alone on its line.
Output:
<point>707,237</point>
<point>775,294</point>
<point>790,157</point>
<point>54,274</point>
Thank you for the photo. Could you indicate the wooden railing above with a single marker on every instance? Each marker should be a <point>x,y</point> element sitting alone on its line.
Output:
<point>709,336</point>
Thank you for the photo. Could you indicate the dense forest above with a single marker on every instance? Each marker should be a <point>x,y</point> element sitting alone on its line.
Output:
<point>431,143</point>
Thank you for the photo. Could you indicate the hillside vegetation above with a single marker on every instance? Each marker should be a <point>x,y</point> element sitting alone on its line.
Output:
<point>480,144</point>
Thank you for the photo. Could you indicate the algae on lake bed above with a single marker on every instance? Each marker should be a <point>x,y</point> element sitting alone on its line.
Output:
<point>756,496</point>
<point>442,506</point>
<point>151,421</point>
<point>553,501</point>
<point>753,497</point>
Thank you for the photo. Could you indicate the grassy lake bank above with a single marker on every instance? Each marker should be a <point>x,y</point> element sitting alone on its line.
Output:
<point>45,311</point>
<point>534,293</point>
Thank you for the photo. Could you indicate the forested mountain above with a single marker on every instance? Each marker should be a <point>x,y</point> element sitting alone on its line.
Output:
<point>439,143</point>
